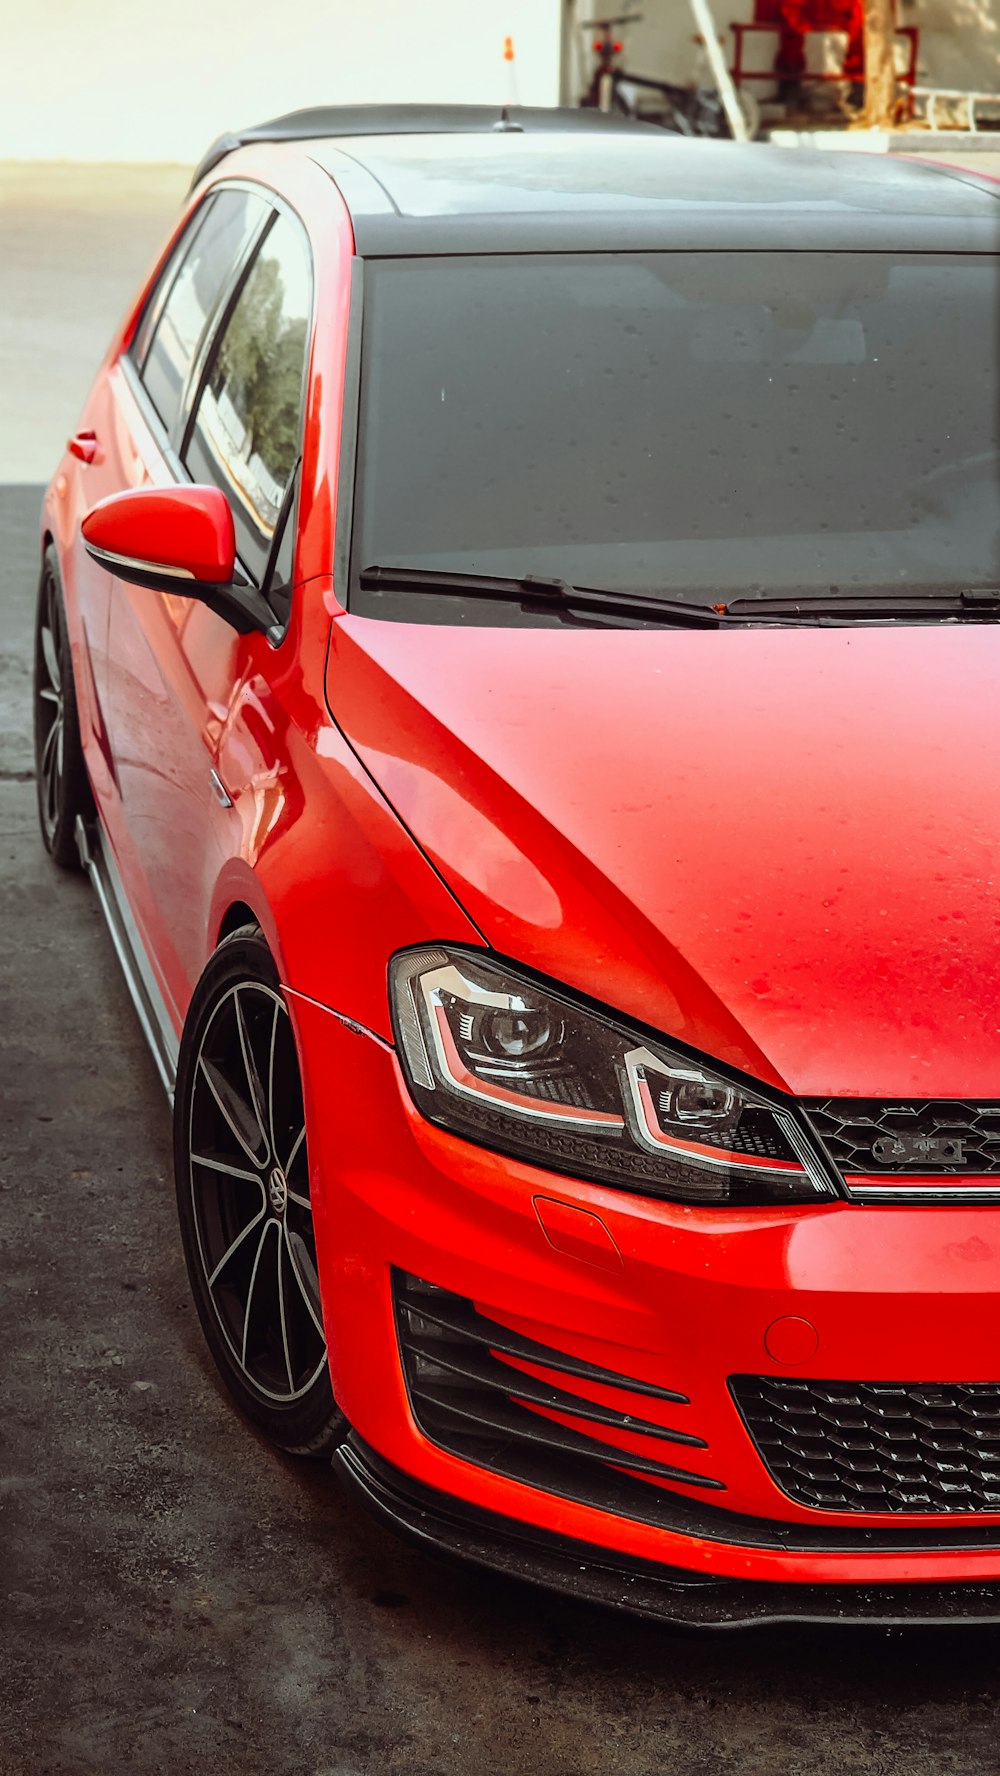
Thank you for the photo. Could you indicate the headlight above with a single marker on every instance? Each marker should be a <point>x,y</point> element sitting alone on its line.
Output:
<point>533,1072</point>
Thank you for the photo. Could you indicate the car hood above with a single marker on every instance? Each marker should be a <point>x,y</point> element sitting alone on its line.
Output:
<point>779,846</point>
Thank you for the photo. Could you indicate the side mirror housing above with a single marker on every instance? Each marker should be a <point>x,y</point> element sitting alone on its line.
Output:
<point>179,540</point>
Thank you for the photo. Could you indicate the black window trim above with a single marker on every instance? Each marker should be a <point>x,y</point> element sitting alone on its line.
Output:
<point>288,515</point>
<point>236,272</point>
<point>347,469</point>
<point>171,443</point>
<point>221,309</point>
<point>209,344</point>
<point>156,302</point>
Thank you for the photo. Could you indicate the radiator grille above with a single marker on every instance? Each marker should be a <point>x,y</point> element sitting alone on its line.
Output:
<point>877,1446</point>
<point>941,1136</point>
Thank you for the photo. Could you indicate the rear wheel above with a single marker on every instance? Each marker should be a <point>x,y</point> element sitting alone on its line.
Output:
<point>243,1198</point>
<point>61,781</point>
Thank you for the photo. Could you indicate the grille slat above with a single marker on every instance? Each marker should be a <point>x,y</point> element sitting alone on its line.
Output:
<point>876,1446</point>
<point>461,1412</point>
<point>452,1314</point>
<point>468,1400</point>
<point>484,1372</point>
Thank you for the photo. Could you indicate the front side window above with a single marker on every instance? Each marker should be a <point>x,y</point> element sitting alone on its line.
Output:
<point>703,425</point>
<point>204,266</point>
<point>247,429</point>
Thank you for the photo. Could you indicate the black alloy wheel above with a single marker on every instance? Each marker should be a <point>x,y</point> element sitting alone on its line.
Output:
<point>61,781</point>
<point>242,1177</point>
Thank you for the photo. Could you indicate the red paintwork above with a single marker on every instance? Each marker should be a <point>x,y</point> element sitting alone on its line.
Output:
<point>84,445</point>
<point>760,846</point>
<point>778,847</point>
<point>891,1292</point>
<point>185,529</point>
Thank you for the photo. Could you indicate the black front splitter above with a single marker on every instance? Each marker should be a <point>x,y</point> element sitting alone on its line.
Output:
<point>643,1588</point>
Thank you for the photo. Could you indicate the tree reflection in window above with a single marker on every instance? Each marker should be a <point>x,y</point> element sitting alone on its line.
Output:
<point>249,422</point>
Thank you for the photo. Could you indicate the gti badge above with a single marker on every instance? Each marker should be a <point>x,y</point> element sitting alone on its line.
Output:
<point>917,1150</point>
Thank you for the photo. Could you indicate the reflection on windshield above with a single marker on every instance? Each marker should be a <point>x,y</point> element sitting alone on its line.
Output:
<point>710,425</point>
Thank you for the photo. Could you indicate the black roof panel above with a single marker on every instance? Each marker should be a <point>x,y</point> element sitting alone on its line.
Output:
<point>472,178</point>
<point>321,122</point>
<point>559,192</point>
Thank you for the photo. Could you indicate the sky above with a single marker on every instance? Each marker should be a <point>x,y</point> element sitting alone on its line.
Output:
<point>133,80</point>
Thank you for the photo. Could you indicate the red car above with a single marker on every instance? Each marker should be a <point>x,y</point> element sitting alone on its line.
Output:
<point>518,656</point>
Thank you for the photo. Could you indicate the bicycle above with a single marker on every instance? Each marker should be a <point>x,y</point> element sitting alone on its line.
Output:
<point>684,110</point>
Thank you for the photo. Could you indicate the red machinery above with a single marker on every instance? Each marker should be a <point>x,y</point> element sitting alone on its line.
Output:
<point>791,21</point>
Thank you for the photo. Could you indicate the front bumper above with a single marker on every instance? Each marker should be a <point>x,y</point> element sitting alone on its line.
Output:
<point>676,1298</point>
<point>683,1599</point>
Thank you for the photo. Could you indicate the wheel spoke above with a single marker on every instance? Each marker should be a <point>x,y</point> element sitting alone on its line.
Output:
<point>48,750</point>
<point>239,1116</point>
<point>245,1111</point>
<point>218,1165</point>
<point>51,658</point>
<point>290,1161</point>
<point>50,772</point>
<point>253,1284</point>
<point>254,1086</point>
<point>48,695</point>
<point>270,1080</point>
<point>283,1320</point>
<point>232,1249</point>
<point>304,1272</point>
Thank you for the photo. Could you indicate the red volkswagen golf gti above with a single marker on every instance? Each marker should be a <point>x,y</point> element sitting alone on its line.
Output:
<point>517,654</point>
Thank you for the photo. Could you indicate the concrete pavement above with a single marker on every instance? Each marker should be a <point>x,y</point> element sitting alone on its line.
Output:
<point>75,243</point>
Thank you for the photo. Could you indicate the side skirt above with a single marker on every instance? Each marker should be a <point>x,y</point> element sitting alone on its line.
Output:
<point>146,996</point>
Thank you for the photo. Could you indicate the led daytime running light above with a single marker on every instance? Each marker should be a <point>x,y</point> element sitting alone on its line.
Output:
<point>532,1071</point>
<point>448,980</point>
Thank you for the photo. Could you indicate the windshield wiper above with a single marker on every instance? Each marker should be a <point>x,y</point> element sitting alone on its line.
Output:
<point>972,601</point>
<point>534,590</point>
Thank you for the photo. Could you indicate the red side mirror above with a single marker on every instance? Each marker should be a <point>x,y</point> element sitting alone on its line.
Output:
<point>164,536</point>
<point>180,540</point>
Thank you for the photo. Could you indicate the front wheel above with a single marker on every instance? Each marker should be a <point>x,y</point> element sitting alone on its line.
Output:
<point>243,1199</point>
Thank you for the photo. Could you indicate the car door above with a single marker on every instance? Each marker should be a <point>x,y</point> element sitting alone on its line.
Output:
<point>111,453</point>
<point>175,663</point>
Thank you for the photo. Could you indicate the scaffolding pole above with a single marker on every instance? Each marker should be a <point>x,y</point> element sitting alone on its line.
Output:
<point>720,73</point>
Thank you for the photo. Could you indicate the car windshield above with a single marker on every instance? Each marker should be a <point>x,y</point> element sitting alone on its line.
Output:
<point>708,425</point>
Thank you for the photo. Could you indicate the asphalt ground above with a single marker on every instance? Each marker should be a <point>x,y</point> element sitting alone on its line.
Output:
<point>176,1597</point>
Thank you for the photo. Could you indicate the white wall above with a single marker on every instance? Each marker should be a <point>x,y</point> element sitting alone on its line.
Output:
<point>157,80</point>
<point>959,42</point>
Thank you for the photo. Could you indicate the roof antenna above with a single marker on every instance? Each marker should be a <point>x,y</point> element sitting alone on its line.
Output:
<point>506,123</point>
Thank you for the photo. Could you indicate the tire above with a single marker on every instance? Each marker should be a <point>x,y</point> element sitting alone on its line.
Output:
<point>242,1178</point>
<point>61,781</point>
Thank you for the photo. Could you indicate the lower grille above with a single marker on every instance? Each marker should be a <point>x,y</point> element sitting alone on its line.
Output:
<point>877,1446</point>
<point>470,1397</point>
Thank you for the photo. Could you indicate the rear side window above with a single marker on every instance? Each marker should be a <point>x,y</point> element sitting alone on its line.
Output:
<point>247,429</point>
<point>198,272</point>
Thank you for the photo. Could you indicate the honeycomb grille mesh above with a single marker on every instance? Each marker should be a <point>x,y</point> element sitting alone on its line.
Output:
<point>877,1446</point>
<point>943,1136</point>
